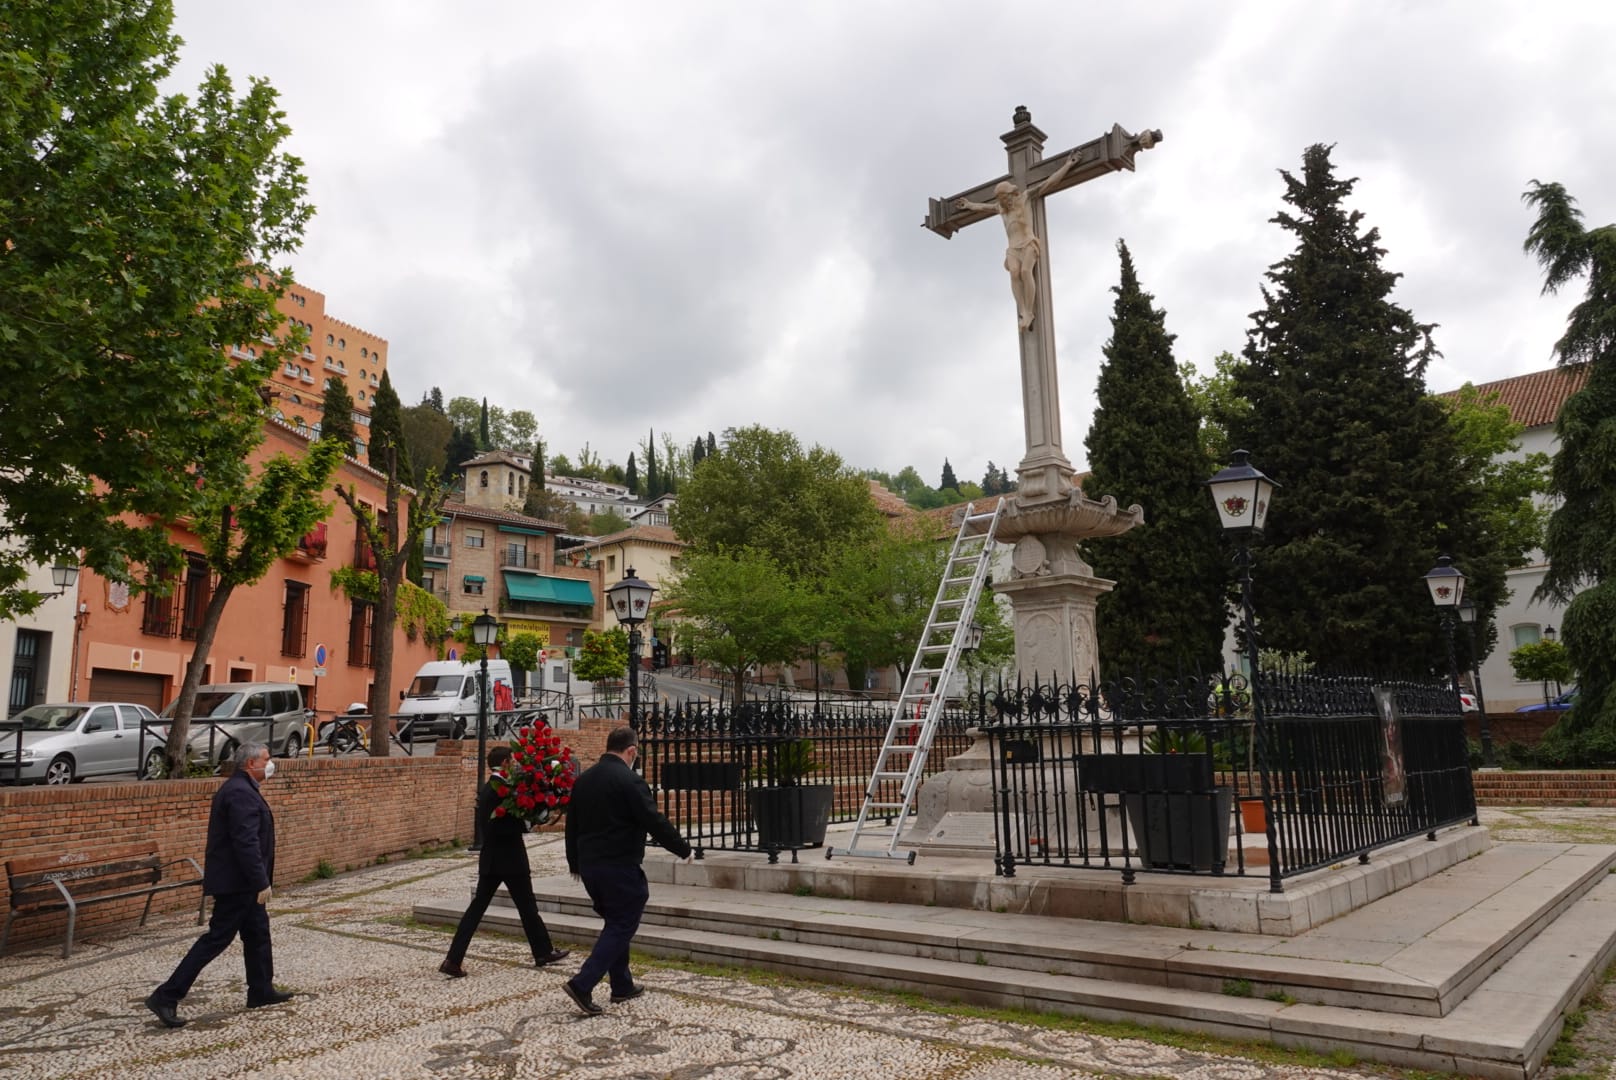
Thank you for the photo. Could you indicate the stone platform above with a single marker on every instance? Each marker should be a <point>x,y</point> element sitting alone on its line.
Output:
<point>1451,955</point>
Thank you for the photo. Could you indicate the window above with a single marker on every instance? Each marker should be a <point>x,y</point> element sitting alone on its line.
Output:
<point>611,563</point>
<point>342,343</point>
<point>198,591</point>
<point>295,619</point>
<point>360,633</point>
<point>482,479</point>
<point>329,339</point>
<point>474,538</point>
<point>363,353</point>
<point>429,581</point>
<point>472,585</point>
<point>516,555</point>
<point>361,373</point>
<point>361,395</point>
<point>521,486</point>
<point>510,483</point>
<point>1527,634</point>
<point>104,718</point>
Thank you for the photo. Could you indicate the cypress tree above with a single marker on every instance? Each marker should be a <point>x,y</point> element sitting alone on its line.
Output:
<point>631,476</point>
<point>387,428</point>
<point>1372,492</point>
<point>653,485</point>
<point>462,448</point>
<point>435,399</point>
<point>336,415</point>
<point>698,450</point>
<point>482,429</point>
<point>1581,538</point>
<point>948,480</point>
<point>1168,610</point>
<point>712,445</point>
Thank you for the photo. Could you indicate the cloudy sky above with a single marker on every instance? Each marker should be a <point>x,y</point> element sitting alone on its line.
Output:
<point>690,216</point>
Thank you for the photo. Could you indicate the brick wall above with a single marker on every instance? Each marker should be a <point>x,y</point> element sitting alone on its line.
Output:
<point>1546,788</point>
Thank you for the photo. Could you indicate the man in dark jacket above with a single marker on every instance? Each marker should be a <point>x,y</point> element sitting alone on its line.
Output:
<point>502,861</point>
<point>607,820</point>
<point>239,868</point>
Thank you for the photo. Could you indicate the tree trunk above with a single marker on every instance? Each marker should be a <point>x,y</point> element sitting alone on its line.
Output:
<point>180,730</point>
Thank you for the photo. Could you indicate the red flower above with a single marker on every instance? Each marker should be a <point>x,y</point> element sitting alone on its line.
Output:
<point>499,811</point>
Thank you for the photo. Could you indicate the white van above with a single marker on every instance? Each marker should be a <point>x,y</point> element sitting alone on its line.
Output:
<point>442,699</point>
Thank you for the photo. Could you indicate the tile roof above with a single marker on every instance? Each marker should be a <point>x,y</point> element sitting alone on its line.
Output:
<point>653,534</point>
<point>460,509</point>
<point>1534,399</point>
<point>497,457</point>
<point>889,503</point>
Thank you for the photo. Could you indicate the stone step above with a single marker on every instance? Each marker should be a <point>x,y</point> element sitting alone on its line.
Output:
<point>1502,1029</point>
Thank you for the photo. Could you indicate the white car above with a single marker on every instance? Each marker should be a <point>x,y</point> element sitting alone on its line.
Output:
<point>66,742</point>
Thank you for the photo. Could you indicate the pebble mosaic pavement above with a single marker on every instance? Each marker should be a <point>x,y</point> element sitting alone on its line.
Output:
<point>371,1004</point>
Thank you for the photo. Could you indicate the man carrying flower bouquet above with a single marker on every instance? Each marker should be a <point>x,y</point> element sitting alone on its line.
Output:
<point>503,859</point>
<point>611,812</point>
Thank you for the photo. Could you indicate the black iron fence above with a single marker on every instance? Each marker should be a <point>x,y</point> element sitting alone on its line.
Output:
<point>758,775</point>
<point>1174,775</point>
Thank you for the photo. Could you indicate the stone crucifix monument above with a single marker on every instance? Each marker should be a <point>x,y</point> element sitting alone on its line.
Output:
<point>1054,591</point>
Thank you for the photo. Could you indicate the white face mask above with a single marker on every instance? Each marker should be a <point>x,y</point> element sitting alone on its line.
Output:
<point>269,769</point>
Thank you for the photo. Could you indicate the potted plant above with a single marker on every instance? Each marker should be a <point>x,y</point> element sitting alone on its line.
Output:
<point>1180,817</point>
<point>789,812</point>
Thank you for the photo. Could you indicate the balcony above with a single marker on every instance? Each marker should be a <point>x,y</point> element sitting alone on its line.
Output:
<point>514,558</point>
<point>314,543</point>
<point>435,551</point>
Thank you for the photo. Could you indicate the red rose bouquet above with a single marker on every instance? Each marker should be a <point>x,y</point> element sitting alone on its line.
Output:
<point>537,784</point>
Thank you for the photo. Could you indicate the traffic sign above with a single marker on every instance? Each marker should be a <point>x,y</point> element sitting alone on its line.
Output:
<point>319,657</point>
<point>319,673</point>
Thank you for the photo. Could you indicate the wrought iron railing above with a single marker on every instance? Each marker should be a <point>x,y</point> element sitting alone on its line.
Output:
<point>1149,774</point>
<point>708,761</point>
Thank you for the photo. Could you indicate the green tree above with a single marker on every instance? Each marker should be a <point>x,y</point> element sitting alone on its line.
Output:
<point>521,428</point>
<point>522,650</point>
<point>948,481</point>
<point>764,491</point>
<point>245,522</point>
<point>607,522</point>
<point>739,608</point>
<point>434,398</point>
<point>1580,541</point>
<point>426,433</point>
<point>1219,405</point>
<point>392,535</point>
<point>484,439</point>
<point>604,655</point>
<point>461,449</point>
<point>653,480</point>
<point>1334,371</point>
<point>387,426</point>
<point>1542,662</point>
<point>674,463</point>
<point>139,234</point>
<point>876,598</point>
<point>336,415</point>
<point>631,477</point>
<point>1168,609</point>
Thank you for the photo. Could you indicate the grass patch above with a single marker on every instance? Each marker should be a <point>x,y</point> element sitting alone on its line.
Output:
<point>1237,988</point>
<point>322,871</point>
<point>1280,996</point>
<point>803,890</point>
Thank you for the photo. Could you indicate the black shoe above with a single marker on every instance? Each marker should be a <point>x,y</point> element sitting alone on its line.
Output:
<point>618,999</point>
<point>580,999</point>
<point>274,997</point>
<point>166,1011</point>
<point>454,971</point>
<point>554,956</point>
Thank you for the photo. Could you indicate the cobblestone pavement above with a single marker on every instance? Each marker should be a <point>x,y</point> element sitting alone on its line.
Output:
<point>371,1004</point>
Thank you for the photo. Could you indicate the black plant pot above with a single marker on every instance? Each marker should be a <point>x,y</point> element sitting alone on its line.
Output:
<point>1182,831</point>
<point>791,817</point>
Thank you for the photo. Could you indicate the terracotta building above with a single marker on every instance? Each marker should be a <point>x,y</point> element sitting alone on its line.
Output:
<point>136,648</point>
<point>487,554</point>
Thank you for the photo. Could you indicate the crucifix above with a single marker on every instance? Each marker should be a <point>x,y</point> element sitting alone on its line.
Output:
<point>1018,198</point>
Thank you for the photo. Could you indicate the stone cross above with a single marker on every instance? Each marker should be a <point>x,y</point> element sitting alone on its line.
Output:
<point>1018,197</point>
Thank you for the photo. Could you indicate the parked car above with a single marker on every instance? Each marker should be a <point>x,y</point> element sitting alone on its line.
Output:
<point>1559,704</point>
<point>66,742</point>
<point>228,714</point>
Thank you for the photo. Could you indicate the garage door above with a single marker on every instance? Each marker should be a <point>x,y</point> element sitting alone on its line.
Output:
<point>109,685</point>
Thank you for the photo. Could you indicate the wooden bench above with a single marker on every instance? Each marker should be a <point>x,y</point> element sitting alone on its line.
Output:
<point>68,881</point>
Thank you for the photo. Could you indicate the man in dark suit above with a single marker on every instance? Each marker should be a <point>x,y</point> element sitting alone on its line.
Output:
<point>239,868</point>
<point>502,861</point>
<point>608,818</point>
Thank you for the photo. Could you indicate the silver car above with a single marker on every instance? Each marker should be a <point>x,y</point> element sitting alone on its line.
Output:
<point>67,742</point>
<point>226,714</point>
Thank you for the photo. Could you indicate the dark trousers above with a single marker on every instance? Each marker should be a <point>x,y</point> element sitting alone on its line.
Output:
<point>233,913</point>
<point>520,886</point>
<point>619,893</point>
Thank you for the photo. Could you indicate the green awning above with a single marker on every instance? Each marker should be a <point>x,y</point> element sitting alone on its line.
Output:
<point>524,532</point>
<point>549,590</point>
<point>473,577</point>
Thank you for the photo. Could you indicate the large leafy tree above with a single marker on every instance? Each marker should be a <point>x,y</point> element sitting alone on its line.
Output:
<point>246,521</point>
<point>1373,492</point>
<point>740,607</point>
<point>1581,537</point>
<point>137,236</point>
<point>426,432</point>
<point>1168,609</point>
<point>763,490</point>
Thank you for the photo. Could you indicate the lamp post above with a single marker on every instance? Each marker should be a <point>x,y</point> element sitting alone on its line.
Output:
<point>484,631</point>
<point>63,575</point>
<point>1447,584</point>
<point>1467,615</point>
<point>1242,495</point>
<point>631,602</point>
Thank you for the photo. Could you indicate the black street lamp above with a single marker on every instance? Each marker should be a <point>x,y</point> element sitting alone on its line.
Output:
<point>484,631</point>
<point>631,602</point>
<point>1242,495</point>
<point>1447,588</point>
<point>1467,615</point>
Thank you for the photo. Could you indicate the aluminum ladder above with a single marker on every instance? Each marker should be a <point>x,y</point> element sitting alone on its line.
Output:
<point>920,705</point>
